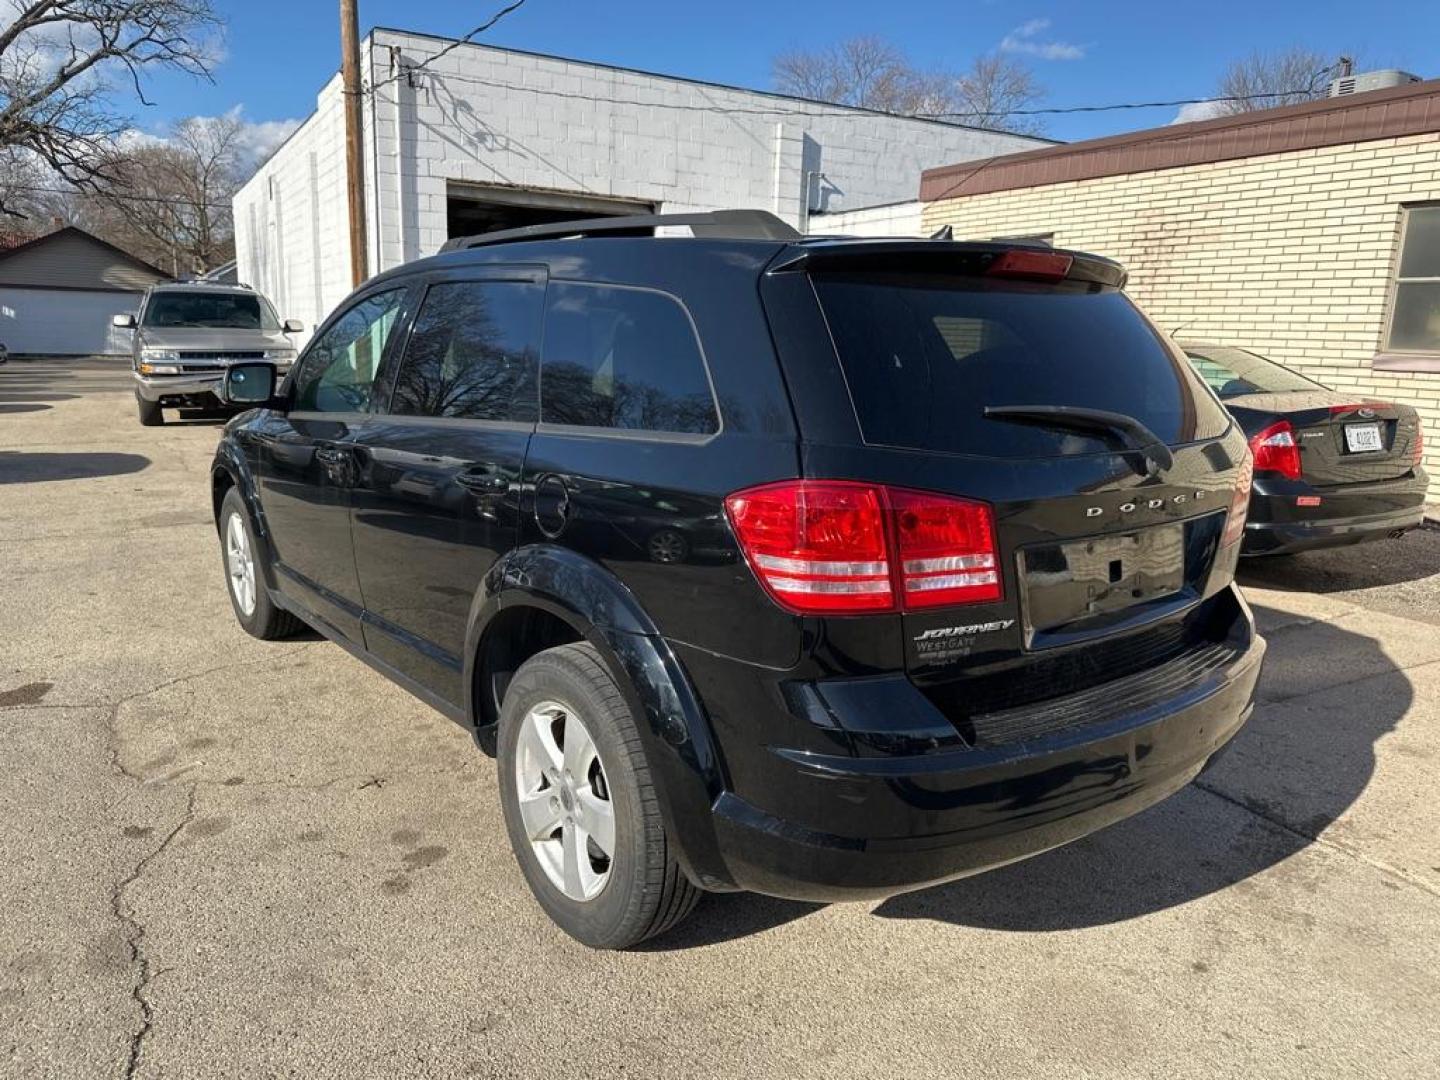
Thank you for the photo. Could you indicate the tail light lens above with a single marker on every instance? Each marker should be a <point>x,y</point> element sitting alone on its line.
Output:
<point>1417,448</point>
<point>1239,503</point>
<point>1275,450</point>
<point>947,550</point>
<point>817,546</point>
<point>827,547</point>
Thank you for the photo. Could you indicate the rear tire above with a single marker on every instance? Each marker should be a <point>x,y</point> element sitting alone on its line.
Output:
<point>250,600</point>
<point>151,415</point>
<point>613,900</point>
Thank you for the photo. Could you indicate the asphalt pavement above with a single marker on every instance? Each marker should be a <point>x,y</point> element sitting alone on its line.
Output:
<point>227,858</point>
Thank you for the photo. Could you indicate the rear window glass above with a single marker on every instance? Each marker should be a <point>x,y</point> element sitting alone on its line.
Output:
<point>924,356</point>
<point>1235,372</point>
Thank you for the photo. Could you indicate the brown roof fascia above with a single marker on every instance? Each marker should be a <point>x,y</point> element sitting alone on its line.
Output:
<point>1378,114</point>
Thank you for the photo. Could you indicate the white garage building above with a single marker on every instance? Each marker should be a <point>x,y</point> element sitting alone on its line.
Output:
<point>464,138</point>
<point>59,292</point>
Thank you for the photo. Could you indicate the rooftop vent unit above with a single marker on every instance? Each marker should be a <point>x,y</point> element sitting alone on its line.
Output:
<point>1370,80</point>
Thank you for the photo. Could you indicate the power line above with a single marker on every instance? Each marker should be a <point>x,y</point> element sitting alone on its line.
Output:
<point>1222,99</point>
<point>113,195</point>
<point>826,109</point>
<point>466,40</point>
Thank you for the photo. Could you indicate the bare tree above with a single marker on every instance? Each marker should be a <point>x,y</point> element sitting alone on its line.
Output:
<point>993,93</point>
<point>872,73</point>
<point>1268,80</point>
<point>168,200</point>
<point>61,62</point>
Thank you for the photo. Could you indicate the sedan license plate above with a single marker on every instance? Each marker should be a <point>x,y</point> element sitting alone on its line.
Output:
<point>1363,438</point>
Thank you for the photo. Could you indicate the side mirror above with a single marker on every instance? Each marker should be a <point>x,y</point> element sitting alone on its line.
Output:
<point>248,384</point>
<point>294,326</point>
<point>123,322</point>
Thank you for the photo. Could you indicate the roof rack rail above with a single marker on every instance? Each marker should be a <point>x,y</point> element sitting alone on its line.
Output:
<point>714,224</point>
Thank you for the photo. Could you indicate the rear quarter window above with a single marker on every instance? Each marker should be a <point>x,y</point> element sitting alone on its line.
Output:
<point>625,359</point>
<point>924,356</point>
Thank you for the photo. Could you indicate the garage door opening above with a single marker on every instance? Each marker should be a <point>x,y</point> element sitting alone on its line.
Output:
<point>472,209</point>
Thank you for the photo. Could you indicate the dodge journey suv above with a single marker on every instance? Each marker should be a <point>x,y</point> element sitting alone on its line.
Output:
<point>822,568</point>
<point>186,335</point>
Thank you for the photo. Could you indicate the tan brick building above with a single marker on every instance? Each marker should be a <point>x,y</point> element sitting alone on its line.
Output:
<point>1309,234</point>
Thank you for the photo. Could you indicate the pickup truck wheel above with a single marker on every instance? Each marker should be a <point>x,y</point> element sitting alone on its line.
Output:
<point>151,415</point>
<point>254,609</point>
<point>580,805</point>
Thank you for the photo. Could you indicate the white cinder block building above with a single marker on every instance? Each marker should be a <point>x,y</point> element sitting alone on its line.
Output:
<point>464,139</point>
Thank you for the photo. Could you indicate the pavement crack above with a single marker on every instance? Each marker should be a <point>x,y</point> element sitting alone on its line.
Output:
<point>135,938</point>
<point>1338,846</point>
<point>112,719</point>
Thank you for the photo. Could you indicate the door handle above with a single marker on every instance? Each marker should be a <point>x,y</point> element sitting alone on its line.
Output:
<point>330,456</point>
<point>482,481</point>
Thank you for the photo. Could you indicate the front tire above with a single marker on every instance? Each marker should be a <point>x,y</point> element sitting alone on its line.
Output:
<point>245,584</point>
<point>151,415</point>
<point>580,805</point>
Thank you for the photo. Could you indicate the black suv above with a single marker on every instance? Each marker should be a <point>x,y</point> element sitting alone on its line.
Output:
<point>822,568</point>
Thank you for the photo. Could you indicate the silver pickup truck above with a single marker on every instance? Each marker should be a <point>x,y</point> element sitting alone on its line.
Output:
<point>186,335</point>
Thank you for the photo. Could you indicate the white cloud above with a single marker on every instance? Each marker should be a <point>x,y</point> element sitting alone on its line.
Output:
<point>1025,38</point>
<point>259,139</point>
<point>1200,110</point>
<point>256,141</point>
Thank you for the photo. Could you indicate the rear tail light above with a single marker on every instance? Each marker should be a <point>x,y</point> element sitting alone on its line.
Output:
<point>828,547</point>
<point>1417,446</point>
<point>947,550</point>
<point>1033,265</point>
<point>1275,450</point>
<point>1239,503</point>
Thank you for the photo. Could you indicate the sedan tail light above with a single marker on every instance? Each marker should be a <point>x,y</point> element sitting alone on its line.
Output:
<point>831,547</point>
<point>1276,451</point>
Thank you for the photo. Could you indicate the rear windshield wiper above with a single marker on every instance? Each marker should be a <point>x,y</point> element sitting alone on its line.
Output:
<point>1136,435</point>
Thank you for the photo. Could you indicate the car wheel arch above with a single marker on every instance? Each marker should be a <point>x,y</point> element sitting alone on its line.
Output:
<point>554,596</point>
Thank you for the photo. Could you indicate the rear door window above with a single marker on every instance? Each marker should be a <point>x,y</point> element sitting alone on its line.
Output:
<point>924,356</point>
<point>625,359</point>
<point>472,353</point>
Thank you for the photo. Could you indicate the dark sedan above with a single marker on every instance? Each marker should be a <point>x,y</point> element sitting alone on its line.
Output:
<point>1331,468</point>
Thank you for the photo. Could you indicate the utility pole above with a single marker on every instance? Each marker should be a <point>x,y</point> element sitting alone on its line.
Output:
<point>354,144</point>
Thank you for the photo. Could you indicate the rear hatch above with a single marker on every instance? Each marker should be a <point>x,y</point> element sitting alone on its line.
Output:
<point>989,378</point>
<point>1341,439</point>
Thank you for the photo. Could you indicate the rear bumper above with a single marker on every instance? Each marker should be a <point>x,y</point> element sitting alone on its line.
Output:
<point>1349,515</point>
<point>933,817</point>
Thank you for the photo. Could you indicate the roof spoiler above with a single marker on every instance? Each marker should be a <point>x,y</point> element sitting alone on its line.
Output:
<point>714,225</point>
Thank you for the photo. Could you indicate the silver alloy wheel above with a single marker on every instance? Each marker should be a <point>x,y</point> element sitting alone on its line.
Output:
<point>564,800</point>
<point>240,563</point>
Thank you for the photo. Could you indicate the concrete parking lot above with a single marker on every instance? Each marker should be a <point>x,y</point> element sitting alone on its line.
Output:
<point>221,857</point>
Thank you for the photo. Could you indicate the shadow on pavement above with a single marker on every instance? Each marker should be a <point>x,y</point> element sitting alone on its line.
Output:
<point>726,917</point>
<point>24,407</point>
<point>24,468</point>
<point>6,394</point>
<point>1297,767</point>
<point>1360,566</point>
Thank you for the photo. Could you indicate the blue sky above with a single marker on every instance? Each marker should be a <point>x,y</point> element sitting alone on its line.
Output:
<point>279,53</point>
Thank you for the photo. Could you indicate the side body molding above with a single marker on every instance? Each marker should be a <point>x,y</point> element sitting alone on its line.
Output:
<point>678,743</point>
